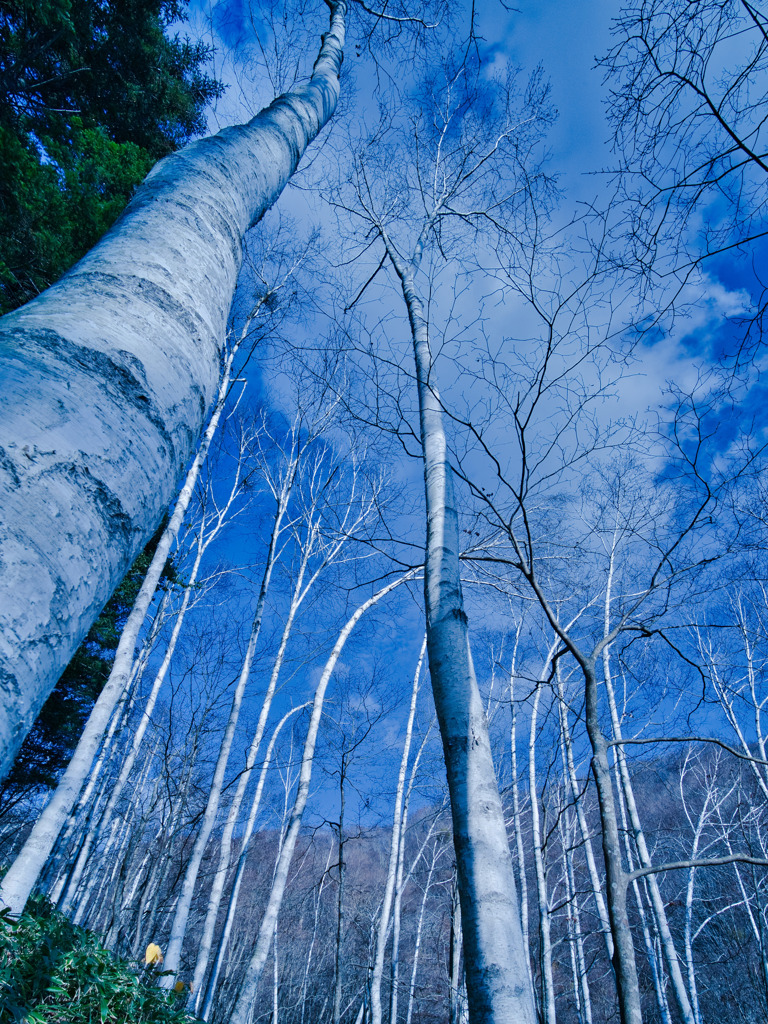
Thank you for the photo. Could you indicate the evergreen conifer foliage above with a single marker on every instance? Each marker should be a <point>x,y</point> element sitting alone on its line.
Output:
<point>92,93</point>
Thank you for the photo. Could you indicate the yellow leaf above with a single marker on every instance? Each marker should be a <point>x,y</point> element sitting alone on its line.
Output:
<point>179,986</point>
<point>153,954</point>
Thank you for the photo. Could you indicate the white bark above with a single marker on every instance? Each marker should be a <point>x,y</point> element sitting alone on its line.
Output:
<point>689,889</point>
<point>394,849</point>
<point>107,376</point>
<point>657,903</point>
<point>308,965</point>
<point>498,980</point>
<point>311,543</point>
<point>266,929</point>
<point>88,802</point>
<point>651,943</point>
<point>660,914</point>
<point>548,984</point>
<point>181,914</point>
<point>455,956</point>
<point>581,992</point>
<point>219,879</point>
<point>518,826</point>
<point>586,838</point>
<point>233,898</point>
<point>436,852</point>
<point>24,872</point>
<point>207,533</point>
<point>401,883</point>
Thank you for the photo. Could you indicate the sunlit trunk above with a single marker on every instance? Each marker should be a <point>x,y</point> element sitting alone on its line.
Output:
<point>107,377</point>
<point>548,1012</point>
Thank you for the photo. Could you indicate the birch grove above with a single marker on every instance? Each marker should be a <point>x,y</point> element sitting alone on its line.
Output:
<point>443,696</point>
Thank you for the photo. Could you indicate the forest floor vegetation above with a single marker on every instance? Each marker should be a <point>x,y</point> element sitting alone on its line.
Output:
<point>52,971</point>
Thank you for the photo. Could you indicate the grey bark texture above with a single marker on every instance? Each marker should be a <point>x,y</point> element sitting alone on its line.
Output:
<point>497,974</point>
<point>107,377</point>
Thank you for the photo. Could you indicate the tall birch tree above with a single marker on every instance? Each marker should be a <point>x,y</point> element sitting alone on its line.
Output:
<point>471,160</point>
<point>108,376</point>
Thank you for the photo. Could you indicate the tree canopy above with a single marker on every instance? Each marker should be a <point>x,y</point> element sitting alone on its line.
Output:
<point>92,93</point>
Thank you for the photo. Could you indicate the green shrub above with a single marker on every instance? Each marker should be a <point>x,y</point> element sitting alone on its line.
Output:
<point>51,971</point>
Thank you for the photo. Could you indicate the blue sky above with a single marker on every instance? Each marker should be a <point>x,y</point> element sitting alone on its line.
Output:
<point>567,39</point>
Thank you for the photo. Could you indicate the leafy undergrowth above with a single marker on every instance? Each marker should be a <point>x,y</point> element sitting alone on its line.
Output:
<point>52,971</point>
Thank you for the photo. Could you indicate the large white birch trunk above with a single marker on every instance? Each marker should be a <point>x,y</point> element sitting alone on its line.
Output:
<point>108,374</point>
<point>22,876</point>
<point>498,982</point>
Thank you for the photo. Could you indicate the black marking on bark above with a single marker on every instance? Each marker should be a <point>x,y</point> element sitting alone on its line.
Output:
<point>7,464</point>
<point>120,381</point>
<point>149,291</point>
<point>107,505</point>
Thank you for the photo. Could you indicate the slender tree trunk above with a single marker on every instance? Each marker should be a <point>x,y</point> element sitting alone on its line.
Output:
<point>691,971</point>
<point>518,826</point>
<point>624,964</point>
<point>225,850</point>
<point>120,837</point>
<point>419,931</point>
<point>649,940</point>
<point>88,803</point>
<point>401,883</point>
<point>340,908</point>
<point>394,849</point>
<point>103,820</point>
<point>498,980</point>
<point>657,903</point>
<point>586,837</point>
<point>107,376</point>
<point>114,923</point>
<point>581,994</point>
<point>261,951</point>
<point>665,935</point>
<point>547,981</point>
<point>275,979</point>
<point>181,915</point>
<point>308,966</point>
<point>226,931</point>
